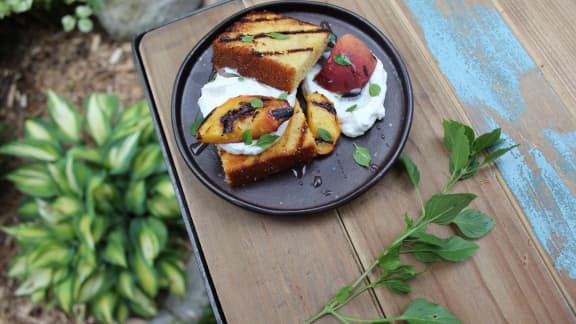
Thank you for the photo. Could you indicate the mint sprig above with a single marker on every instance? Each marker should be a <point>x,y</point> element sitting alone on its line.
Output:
<point>442,208</point>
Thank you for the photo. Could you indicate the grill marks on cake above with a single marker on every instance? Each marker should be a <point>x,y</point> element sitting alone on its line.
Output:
<point>278,53</point>
<point>326,106</point>
<point>245,111</point>
<point>238,38</point>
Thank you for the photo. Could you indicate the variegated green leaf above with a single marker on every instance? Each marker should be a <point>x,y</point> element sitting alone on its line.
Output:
<point>29,209</point>
<point>65,116</point>
<point>38,129</point>
<point>104,305</point>
<point>60,274</point>
<point>93,183</point>
<point>106,197</point>
<point>126,285</point>
<point>86,153</point>
<point>126,128</point>
<point>77,174</point>
<point>63,231</point>
<point>34,179</point>
<point>122,312</point>
<point>68,205</point>
<point>163,186</point>
<point>50,254</point>
<point>100,108</point>
<point>134,112</point>
<point>94,285</point>
<point>114,251</point>
<point>142,305</point>
<point>145,162</point>
<point>58,173</point>
<point>84,229</point>
<point>36,280</point>
<point>86,264</point>
<point>135,198</point>
<point>63,292</point>
<point>99,227</point>
<point>32,149</point>
<point>121,152</point>
<point>28,232</point>
<point>159,229</point>
<point>175,276</point>
<point>145,274</point>
<point>38,297</point>
<point>18,266</point>
<point>50,214</point>
<point>148,132</point>
<point>149,243</point>
<point>163,207</point>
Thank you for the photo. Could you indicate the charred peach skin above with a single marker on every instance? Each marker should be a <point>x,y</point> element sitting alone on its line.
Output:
<point>349,66</point>
<point>227,122</point>
<point>323,123</point>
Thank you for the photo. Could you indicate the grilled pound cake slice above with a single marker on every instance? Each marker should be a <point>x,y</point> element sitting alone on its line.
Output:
<point>271,48</point>
<point>296,146</point>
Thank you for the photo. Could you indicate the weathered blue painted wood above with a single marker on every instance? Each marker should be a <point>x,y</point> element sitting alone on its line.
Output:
<point>486,65</point>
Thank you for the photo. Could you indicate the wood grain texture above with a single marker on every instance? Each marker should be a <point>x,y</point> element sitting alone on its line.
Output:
<point>502,87</point>
<point>265,269</point>
<point>269,270</point>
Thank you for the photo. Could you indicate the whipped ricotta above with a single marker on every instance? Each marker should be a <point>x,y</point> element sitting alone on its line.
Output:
<point>218,91</point>
<point>368,109</point>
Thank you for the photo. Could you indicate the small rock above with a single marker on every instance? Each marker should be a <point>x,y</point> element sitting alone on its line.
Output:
<point>123,19</point>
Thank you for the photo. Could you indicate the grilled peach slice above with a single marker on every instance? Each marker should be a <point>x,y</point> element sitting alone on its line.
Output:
<point>323,122</point>
<point>227,122</point>
<point>349,66</point>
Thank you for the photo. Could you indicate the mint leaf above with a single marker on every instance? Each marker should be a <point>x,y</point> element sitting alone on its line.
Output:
<point>266,140</point>
<point>247,137</point>
<point>486,140</point>
<point>283,95</point>
<point>213,77</point>
<point>362,156</point>
<point>241,79</point>
<point>332,38</point>
<point>352,108</point>
<point>389,261</point>
<point>442,208</point>
<point>343,294</point>
<point>342,59</point>
<point>279,36</point>
<point>474,223</point>
<point>426,257</point>
<point>247,38</point>
<point>460,154</point>
<point>451,130</point>
<point>411,168</point>
<point>496,154</point>
<point>457,249</point>
<point>374,89</point>
<point>421,311</point>
<point>196,125</point>
<point>256,103</point>
<point>430,239</point>
<point>325,135</point>
<point>397,286</point>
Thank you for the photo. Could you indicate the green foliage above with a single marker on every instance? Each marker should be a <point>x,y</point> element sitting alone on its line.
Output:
<point>100,220</point>
<point>80,18</point>
<point>442,209</point>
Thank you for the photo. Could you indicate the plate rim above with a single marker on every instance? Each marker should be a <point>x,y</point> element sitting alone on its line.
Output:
<point>393,55</point>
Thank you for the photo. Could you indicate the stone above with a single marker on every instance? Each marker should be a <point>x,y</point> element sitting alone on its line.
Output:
<point>124,19</point>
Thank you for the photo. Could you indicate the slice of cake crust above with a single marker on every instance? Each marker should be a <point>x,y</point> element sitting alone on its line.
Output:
<point>296,146</point>
<point>271,48</point>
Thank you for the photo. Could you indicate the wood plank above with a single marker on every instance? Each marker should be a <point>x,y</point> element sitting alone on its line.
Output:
<point>265,269</point>
<point>548,33</point>
<point>512,94</point>
<point>507,278</point>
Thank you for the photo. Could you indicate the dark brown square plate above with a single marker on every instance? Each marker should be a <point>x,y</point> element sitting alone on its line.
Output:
<point>326,182</point>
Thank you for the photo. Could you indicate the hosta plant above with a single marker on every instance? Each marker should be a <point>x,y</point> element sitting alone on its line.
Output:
<point>81,17</point>
<point>101,231</point>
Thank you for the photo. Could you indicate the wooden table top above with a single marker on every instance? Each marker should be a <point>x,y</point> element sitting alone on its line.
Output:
<point>499,63</point>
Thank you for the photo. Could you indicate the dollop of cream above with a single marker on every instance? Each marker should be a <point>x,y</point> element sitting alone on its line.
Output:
<point>368,109</point>
<point>218,91</point>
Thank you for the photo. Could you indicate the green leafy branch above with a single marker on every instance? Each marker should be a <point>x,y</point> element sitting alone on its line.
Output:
<point>442,209</point>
